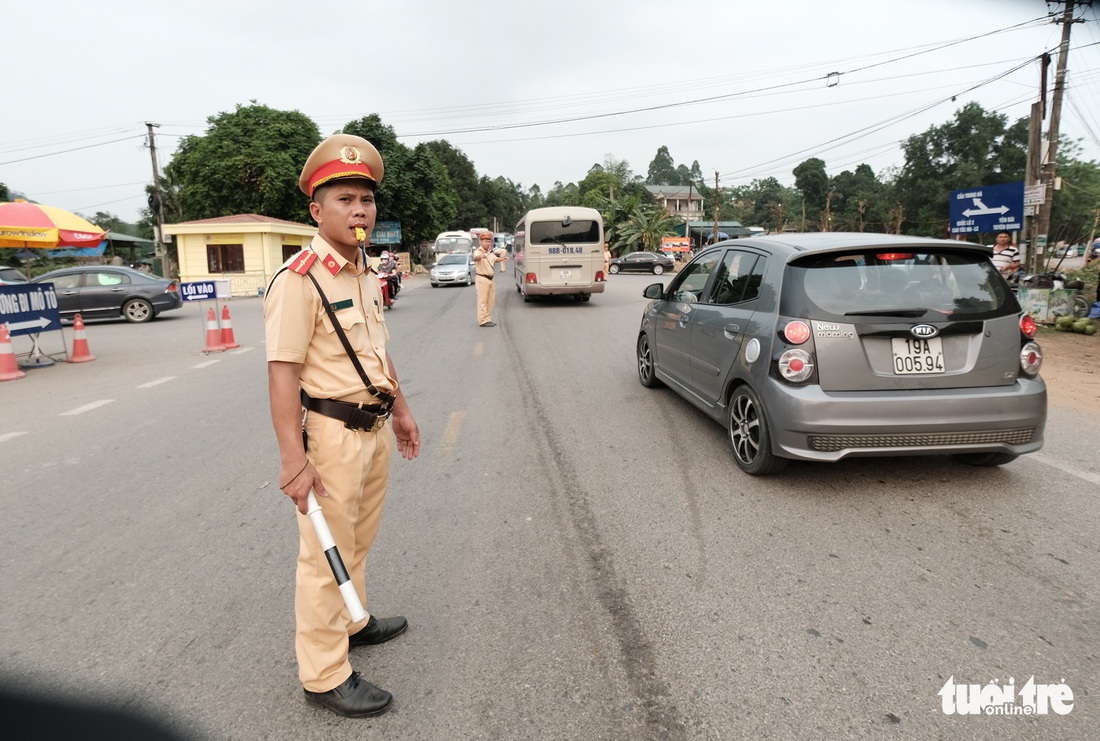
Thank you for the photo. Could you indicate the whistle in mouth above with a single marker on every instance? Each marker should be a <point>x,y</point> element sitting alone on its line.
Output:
<point>360,234</point>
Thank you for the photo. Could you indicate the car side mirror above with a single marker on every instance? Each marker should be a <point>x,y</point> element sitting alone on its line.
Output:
<point>654,290</point>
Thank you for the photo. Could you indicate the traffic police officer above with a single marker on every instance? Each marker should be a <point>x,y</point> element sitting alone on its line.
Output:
<point>485,257</point>
<point>345,457</point>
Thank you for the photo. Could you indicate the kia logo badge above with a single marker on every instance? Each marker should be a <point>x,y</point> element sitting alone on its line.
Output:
<point>924,331</point>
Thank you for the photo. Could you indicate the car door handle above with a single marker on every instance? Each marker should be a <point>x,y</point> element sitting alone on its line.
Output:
<point>731,330</point>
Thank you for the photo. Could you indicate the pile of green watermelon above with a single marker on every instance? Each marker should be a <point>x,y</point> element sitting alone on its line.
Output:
<point>1071,324</point>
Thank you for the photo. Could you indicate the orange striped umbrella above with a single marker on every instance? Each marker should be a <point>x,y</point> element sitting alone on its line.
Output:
<point>33,225</point>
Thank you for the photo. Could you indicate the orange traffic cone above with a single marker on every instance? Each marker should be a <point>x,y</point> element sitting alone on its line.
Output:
<point>9,369</point>
<point>80,343</point>
<point>213,334</point>
<point>227,329</point>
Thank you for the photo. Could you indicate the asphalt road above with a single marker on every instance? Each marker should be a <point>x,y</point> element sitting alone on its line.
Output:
<point>579,557</point>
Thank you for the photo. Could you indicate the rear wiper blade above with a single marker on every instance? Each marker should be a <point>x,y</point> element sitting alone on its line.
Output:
<point>890,312</point>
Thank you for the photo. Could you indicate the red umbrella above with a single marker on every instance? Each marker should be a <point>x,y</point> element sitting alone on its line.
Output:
<point>25,224</point>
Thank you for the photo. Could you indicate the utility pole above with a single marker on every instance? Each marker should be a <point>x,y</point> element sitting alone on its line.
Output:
<point>1048,168</point>
<point>156,203</point>
<point>717,201</point>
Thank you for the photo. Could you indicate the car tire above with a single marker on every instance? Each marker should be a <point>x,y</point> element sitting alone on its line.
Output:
<point>435,285</point>
<point>658,269</point>
<point>647,373</point>
<point>985,459</point>
<point>750,435</point>
<point>614,270</point>
<point>138,311</point>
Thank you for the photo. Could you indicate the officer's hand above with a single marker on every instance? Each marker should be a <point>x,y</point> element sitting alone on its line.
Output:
<point>298,489</point>
<point>407,433</point>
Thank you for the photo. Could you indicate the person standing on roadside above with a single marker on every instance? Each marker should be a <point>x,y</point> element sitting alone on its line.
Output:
<point>485,258</point>
<point>1006,258</point>
<point>341,449</point>
<point>606,260</point>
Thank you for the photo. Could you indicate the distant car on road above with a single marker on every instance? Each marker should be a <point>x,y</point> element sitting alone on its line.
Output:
<point>818,347</point>
<point>105,291</point>
<point>11,276</point>
<point>641,262</point>
<point>455,268</point>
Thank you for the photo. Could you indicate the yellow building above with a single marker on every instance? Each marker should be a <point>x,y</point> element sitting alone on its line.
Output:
<point>245,249</point>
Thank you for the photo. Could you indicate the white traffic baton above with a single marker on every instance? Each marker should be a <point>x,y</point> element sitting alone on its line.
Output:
<point>347,589</point>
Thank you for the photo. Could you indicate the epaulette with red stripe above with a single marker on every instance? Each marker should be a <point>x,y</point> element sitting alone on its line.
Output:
<point>302,262</point>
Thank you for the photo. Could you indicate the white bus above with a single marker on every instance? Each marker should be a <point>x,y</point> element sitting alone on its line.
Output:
<point>449,242</point>
<point>559,252</point>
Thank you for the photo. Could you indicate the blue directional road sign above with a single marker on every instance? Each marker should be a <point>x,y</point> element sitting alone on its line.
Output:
<point>200,290</point>
<point>987,208</point>
<point>29,308</point>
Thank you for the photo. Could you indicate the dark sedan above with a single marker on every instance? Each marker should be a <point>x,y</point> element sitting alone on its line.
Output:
<point>641,262</point>
<point>105,291</point>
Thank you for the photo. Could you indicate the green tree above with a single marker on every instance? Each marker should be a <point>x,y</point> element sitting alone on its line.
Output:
<point>766,203</point>
<point>1074,210</point>
<point>644,228</point>
<point>5,195</point>
<point>662,170</point>
<point>811,180</point>
<point>562,195</point>
<point>470,211</point>
<point>975,148</point>
<point>248,161</point>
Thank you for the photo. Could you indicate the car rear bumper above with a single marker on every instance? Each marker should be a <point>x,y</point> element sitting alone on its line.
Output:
<point>538,289</point>
<point>810,424</point>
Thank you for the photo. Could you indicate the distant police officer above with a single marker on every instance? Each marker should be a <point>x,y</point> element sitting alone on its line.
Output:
<point>485,257</point>
<point>326,291</point>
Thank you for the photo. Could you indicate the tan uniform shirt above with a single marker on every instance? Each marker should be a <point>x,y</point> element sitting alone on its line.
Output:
<point>299,330</point>
<point>485,260</point>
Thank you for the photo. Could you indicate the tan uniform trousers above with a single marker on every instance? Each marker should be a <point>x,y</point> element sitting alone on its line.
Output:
<point>486,297</point>
<point>355,467</point>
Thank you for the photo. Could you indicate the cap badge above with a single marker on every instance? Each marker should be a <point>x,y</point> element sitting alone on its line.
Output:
<point>350,156</point>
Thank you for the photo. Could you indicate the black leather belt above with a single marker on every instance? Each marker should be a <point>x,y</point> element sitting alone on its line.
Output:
<point>354,416</point>
<point>490,277</point>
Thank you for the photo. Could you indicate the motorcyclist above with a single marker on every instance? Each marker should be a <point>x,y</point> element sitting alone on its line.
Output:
<point>389,270</point>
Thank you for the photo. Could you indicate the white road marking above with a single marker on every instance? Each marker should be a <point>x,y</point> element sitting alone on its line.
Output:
<point>11,436</point>
<point>207,364</point>
<point>157,382</point>
<point>240,350</point>
<point>87,407</point>
<point>1062,466</point>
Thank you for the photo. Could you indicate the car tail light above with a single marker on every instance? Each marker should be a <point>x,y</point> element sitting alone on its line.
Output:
<point>1031,359</point>
<point>530,278</point>
<point>891,256</point>
<point>599,276</point>
<point>1028,326</point>
<point>173,287</point>
<point>796,365</point>
<point>796,332</point>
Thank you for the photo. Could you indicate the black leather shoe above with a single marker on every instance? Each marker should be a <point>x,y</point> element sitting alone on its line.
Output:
<point>489,324</point>
<point>378,631</point>
<point>355,698</point>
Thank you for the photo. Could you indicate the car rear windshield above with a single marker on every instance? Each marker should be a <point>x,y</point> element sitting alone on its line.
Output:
<point>947,285</point>
<point>453,260</point>
<point>553,232</point>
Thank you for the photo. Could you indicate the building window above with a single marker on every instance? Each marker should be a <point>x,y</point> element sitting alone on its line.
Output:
<point>290,250</point>
<point>225,258</point>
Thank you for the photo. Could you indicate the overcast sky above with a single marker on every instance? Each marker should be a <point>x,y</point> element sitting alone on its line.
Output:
<point>536,92</point>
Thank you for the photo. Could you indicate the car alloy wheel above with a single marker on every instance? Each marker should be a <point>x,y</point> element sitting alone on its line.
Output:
<point>658,269</point>
<point>614,269</point>
<point>137,310</point>
<point>749,435</point>
<point>646,372</point>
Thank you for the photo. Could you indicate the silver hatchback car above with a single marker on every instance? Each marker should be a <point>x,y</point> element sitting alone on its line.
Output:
<point>823,346</point>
